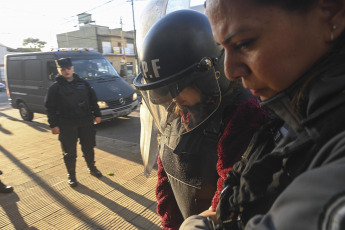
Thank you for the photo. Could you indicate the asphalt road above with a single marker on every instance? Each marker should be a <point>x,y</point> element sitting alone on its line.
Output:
<point>121,128</point>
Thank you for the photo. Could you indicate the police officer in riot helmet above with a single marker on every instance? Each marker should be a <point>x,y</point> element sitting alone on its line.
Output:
<point>183,84</point>
<point>166,65</point>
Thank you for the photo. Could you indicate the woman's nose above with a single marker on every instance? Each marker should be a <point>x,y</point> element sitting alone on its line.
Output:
<point>234,67</point>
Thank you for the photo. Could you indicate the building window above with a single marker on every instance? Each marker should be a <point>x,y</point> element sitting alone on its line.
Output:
<point>130,49</point>
<point>106,47</point>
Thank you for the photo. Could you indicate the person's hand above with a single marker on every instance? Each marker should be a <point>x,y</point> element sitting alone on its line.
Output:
<point>56,130</point>
<point>211,214</point>
<point>97,120</point>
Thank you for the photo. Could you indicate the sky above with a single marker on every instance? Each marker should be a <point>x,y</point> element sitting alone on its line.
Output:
<point>43,19</point>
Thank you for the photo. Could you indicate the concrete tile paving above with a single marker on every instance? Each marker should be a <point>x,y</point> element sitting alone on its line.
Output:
<point>32,163</point>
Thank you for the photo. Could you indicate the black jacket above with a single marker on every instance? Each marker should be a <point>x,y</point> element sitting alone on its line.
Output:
<point>70,102</point>
<point>297,182</point>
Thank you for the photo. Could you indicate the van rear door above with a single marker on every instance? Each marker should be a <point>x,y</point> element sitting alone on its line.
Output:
<point>15,79</point>
<point>28,80</point>
<point>35,84</point>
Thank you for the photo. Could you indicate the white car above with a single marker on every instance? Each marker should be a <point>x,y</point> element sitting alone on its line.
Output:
<point>2,86</point>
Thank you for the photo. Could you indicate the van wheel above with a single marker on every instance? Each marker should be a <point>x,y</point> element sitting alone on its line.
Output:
<point>25,112</point>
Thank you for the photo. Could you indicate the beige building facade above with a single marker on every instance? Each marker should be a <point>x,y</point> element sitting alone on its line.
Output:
<point>116,45</point>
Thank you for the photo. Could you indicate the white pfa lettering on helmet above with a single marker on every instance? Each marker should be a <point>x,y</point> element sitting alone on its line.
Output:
<point>144,67</point>
<point>155,68</point>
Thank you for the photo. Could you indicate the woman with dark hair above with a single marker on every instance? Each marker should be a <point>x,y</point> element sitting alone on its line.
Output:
<point>291,54</point>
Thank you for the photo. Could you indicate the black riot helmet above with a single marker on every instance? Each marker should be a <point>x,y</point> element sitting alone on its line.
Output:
<point>175,47</point>
<point>178,52</point>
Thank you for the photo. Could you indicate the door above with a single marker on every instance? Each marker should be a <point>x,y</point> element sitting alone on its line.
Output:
<point>35,85</point>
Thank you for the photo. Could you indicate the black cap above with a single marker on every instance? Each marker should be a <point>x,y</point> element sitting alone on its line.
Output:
<point>63,62</point>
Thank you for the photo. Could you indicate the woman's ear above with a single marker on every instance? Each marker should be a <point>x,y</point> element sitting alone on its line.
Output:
<point>334,11</point>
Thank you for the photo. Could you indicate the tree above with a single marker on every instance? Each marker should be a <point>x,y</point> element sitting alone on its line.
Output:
<point>34,43</point>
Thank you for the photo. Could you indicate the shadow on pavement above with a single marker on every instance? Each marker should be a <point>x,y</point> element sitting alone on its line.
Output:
<point>113,206</point>
<point>8,202</point>
<point>18,218</point>
<point>33,124</point>
<point>5,131</point>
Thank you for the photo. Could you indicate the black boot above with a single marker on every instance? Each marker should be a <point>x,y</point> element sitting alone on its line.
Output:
<point>94,171</point>
<point>5,189</point>
<point>72,181</point>
<point>70,165</point>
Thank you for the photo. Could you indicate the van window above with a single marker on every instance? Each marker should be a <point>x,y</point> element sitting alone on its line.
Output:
<point>14,70</point>
<point>51,70</point>
<point>33,69</point>
<point>94,68</point>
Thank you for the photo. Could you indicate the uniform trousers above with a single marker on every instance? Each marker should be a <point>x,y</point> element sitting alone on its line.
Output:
<point>69,135</point>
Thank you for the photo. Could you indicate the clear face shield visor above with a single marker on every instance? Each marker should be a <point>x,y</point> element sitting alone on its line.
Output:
<point>184,101</point>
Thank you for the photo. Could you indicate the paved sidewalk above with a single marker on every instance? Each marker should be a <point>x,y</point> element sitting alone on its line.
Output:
<point>31,161</point>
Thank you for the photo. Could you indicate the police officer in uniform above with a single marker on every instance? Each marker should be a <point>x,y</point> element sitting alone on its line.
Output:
<point>191,101</point>
<point>72,111</point>
<point>291,54</point>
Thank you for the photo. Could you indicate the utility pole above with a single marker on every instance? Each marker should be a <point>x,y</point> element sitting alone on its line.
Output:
<point>124,59</point>
<point>135,41</point>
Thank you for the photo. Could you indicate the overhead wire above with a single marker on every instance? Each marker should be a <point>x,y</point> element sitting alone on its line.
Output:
<point>86,11</point>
